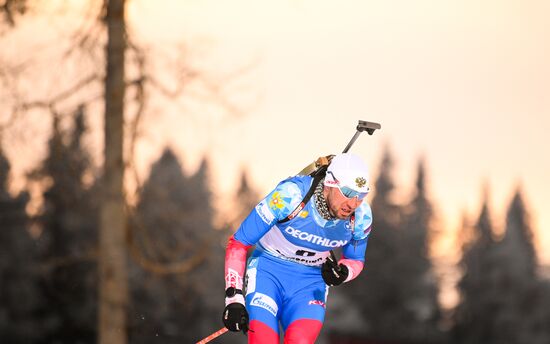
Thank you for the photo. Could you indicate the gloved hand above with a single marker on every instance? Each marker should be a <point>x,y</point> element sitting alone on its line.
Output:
<point>334,273</point>
<point>235,317</point>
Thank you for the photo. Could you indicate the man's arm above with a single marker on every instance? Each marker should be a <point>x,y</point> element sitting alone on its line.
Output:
<point>276,206</point>
<point>235,316</point>
<point>353,253</point>
<point>235,260</point>
<point>353,257</point>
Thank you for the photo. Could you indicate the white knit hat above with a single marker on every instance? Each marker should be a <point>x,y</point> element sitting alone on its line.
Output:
<point>349,170</point>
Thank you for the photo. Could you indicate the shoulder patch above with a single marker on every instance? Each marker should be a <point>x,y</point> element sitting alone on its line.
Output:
<point>283,200</point>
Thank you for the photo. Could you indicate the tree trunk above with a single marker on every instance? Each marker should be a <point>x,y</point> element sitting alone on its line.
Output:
<point>113,282</point>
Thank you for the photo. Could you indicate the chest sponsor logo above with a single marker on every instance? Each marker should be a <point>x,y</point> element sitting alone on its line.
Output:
<point>314,239</point>
<point>265,302</point>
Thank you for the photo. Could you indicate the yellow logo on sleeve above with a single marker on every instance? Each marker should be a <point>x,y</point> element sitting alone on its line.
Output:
<point>276,201</point>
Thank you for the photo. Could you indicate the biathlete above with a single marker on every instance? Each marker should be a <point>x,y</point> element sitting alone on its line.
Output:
<point>291,269</point>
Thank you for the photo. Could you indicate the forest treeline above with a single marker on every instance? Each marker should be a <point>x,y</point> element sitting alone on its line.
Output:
<point>175,253</point>
<point>68,275</point>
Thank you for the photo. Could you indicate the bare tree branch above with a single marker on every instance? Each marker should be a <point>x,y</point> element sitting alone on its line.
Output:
<point>163,268</point>
<point>58,262</point>
<point>22,106</point>
<point>87,37</point>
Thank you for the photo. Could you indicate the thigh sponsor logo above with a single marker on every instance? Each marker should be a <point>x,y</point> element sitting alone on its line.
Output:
<point>317,302</point>
<point>265,302</point>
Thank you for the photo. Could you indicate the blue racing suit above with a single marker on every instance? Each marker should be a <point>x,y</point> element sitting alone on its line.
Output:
<point>283,275</point>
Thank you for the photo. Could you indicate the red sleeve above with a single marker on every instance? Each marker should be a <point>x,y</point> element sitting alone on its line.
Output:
<point>235,263</point>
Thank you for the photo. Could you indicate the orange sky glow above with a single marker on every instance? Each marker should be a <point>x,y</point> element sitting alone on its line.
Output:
<point>463,83</point>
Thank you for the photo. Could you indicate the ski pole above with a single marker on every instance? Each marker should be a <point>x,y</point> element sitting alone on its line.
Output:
<point>213,336</point>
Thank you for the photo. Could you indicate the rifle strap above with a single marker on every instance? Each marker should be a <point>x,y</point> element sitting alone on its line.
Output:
<point>317,177</point>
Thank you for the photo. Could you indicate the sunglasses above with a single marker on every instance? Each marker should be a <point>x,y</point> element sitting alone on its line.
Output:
<point>348,192</point>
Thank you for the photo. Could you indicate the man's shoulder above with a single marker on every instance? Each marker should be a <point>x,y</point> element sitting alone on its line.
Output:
<point>363,217</point>
<point>296,186</point>
<point>287,195</point>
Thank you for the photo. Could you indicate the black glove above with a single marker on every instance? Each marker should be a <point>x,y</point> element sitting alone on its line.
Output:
<point>333,273</point>
<point>235,317</point>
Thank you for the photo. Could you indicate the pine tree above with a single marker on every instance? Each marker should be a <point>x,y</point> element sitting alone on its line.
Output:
<point>157,231</point>
<point>377,291</point>
<point>415,265</point>
<point>69,241</point>
<point>502,299</point>
<point>208,278</point>
<point>518,239</point>
<point>516,277</point>
<point>174,223</point>
<point>478,304</point>
<point>19,296</point>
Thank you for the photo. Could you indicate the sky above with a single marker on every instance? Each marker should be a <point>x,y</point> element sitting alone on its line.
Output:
<point>463,83</point>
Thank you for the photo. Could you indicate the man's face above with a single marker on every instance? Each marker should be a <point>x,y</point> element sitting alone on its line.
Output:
<point>340,206</point>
